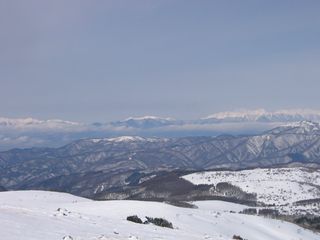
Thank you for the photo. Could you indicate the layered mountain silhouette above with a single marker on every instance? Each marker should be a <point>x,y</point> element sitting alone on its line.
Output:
<point>90,166</point>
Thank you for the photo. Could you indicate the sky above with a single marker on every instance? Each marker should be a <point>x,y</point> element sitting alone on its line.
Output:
<point>106,60</point>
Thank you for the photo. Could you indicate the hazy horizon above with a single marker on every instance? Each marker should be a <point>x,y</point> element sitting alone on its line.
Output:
<point>241,111</point>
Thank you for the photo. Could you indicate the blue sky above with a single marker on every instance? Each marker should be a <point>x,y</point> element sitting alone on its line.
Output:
<point>106,60</point>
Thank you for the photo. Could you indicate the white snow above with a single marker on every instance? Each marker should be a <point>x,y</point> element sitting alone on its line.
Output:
<point>273,185</point>
<point>38,215</point>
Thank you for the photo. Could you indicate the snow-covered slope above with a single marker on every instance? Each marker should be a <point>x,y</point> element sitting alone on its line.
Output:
<point>37,215</point>
<point>278,186</point>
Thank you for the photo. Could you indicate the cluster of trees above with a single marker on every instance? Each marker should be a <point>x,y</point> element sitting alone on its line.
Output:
<point>309,221</point>
<point>229,190</point>
<point>161,222</point>
<point>263,212</point>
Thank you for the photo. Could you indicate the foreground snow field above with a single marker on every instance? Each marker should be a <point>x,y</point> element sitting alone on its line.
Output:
<point>33,215</point>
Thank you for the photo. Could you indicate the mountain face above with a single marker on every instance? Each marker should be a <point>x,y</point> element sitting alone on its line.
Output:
<point>30,132</point>
<point>90,166</point>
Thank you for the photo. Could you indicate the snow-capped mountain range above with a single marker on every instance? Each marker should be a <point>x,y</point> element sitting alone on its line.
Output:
<point>145,122</point>
<point>258,115</point>
<point>35,123</point>
<point>261,115</point>
<point>30,132</point>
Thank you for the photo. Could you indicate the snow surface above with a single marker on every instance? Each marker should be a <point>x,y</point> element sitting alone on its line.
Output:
<point>278,186</point>
<point>40,215</point>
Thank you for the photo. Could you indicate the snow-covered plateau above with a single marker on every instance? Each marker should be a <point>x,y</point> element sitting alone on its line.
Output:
<point>40,215</point>
<point>282,187</point>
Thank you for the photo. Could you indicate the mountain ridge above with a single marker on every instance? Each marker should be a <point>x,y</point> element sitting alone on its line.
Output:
<point>108,162</point>
<point>288,115</point>
<point>31,132</point>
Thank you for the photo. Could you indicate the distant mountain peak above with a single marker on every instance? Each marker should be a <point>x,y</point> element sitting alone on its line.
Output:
<point>262,115</point>
<point>125,139</point>
<point>142,118</point>
<point>246,114</point>
<point>32,122</point>
<point>144,122</point>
